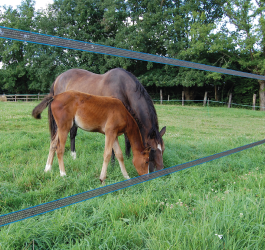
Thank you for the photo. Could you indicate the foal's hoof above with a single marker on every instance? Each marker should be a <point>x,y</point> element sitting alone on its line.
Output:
<point>102,182</point>
<point>48,168</point>
<point>62,174</point>
<point>127,177</point>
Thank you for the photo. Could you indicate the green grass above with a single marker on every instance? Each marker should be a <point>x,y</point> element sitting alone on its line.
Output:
<point>186,210</point>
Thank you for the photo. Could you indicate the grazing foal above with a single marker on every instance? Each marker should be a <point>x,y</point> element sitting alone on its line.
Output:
<point>105,115</point>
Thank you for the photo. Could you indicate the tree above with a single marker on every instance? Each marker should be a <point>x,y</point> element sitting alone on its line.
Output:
<point>178,29</point>
<point>14,75</point>
<point>246,44</point>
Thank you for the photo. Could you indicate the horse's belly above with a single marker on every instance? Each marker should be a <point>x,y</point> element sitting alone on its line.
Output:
<point>88,126</point>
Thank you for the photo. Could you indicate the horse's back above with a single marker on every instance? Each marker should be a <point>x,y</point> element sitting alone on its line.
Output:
<point>76,79</point>
<point>116,83</point>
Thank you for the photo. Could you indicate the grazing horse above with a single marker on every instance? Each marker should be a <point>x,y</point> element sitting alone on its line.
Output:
<point>105,115</point>
<point>122,85</point>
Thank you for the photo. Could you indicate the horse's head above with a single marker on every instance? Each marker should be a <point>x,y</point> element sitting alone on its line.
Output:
<point>156,153</point>
<point>141,161</point>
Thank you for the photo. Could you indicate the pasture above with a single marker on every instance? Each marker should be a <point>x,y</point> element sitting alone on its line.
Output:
<point>189,209</point>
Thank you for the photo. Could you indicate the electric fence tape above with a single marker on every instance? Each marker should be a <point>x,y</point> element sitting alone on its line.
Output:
<point>31,37</point>
<point>70,200</point>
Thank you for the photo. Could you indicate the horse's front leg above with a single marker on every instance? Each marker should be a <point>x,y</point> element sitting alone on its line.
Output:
<point>119,155</point>
<point>73,132</point>
<point>53,146</point>
<point>109,140</point>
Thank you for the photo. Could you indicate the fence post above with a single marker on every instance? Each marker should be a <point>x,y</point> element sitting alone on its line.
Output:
<point>26,98</point>
<point>182,98</point>
<point>168,98</point>
<point>205,98</point>
<point>38,96</point>
<point>254,101</point>
<point>15,97</point>
<point>230,100</point>
<point>161,96</point>
<point>208,102</point>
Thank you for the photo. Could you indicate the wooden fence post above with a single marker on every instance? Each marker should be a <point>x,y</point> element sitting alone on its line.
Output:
<point>15,97</point>
<point>161,96</point>
<point>254,101</point>
<point>182,98</point>
<point>38,96</point>
<point>26,98</point>
<point>168,98</point>
<point>205,98</point>
<point>230,100</point>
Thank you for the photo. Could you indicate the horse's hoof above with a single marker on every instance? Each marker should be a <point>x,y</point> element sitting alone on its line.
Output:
<point>102,182</point>
<point>48,168</point>
<point>73,154</point>
<point>127,177</point>
<point>62,174</point>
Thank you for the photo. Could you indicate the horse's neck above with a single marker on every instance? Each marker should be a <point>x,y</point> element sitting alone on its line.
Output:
<point>134,135</point>
<point>147,119</point>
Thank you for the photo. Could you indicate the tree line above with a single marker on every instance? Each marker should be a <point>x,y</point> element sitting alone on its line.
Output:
<point>229,34</point>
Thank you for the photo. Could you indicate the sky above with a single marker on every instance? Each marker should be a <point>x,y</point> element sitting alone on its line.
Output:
<point>38,3</point>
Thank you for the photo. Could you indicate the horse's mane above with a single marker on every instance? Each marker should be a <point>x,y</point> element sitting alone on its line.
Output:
<point>153,133</point>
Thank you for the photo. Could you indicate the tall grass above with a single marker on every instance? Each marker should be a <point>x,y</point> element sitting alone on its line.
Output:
<point>217,205</point>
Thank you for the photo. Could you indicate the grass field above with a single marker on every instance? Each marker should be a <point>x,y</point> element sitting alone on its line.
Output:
<point>189,209</point>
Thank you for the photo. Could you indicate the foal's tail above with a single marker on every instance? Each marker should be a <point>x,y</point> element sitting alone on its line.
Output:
<point>36,113</point>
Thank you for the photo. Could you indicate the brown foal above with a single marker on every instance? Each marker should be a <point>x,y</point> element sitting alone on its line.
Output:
<point>105,115</point>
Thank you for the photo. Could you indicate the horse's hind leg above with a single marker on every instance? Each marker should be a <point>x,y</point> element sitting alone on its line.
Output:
<point>112,158</point>
<point>127,146</point>
<point>53,147</point>
<point>60,149</point>
<point>119,155</point>
<point>73,132</point>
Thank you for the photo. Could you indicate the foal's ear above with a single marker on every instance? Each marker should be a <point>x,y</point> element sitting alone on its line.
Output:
<point>146,150</point>
<point>163,131</point>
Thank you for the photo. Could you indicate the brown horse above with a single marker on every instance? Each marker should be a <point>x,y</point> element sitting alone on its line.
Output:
<point>105,115</point>
<point>123,85</point>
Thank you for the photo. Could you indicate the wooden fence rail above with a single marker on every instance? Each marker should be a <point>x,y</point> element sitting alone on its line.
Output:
<point>25,97</point>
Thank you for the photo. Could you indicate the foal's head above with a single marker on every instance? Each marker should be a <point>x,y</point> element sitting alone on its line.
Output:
<point>141,161</point>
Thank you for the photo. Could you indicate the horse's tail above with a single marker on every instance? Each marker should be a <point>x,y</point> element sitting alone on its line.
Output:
<point>52,123</point>
<point>36,113</point>
<point>38,110</point>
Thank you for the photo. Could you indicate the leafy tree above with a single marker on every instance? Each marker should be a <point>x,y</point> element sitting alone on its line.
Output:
<point>245,45</point>
<point>180,29</point>
<point>89,21</point>
<point>14,74</point>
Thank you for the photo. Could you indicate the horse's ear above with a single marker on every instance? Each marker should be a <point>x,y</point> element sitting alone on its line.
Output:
<point>146,150</point>
<point>163,131</point>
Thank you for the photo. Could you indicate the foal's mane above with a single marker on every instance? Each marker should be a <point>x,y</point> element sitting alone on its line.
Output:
<point>153,133</point>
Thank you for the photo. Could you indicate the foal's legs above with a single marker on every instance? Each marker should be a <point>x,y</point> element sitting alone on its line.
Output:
<point>109,140</point>
<point>73,132</point>
<point>53,147</point>
<point>60,149</point>
<point>119,155</point>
